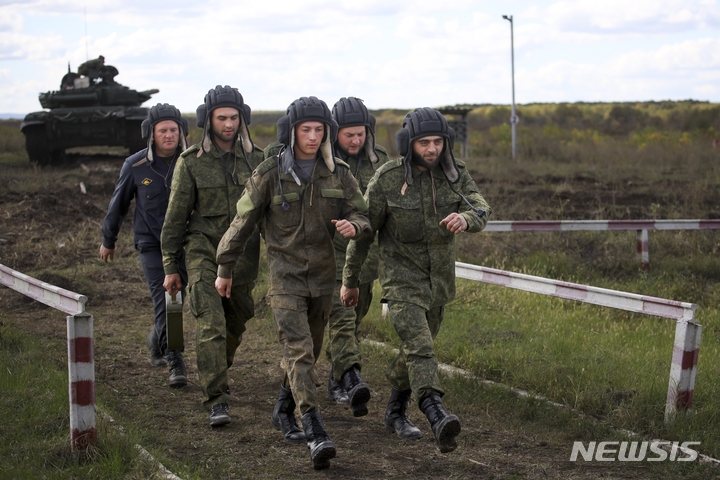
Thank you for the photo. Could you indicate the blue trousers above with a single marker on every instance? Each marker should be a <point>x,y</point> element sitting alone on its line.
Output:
<point>152,265</point>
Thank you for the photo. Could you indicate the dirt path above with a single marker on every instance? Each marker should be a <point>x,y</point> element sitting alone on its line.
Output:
<point>172,423</point>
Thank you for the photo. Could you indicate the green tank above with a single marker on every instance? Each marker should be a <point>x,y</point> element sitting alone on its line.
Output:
<point>88,110</point>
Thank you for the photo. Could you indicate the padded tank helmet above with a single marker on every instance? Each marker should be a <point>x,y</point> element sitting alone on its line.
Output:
<point>352,112</point>
<point>157,114</point>
<point>223,97</point>
<point>425,122</point>
<point>306,109</point>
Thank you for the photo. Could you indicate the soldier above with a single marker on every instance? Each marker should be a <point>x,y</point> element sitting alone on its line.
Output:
<point>417,204</point>
<point>209,179</point>
<point>356,146</point>
<point>146,176</point>
<point>92,68</point>
<point>300,223</point>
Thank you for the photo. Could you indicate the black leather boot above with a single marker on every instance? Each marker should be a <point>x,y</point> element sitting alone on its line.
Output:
<point>322,449</point>
<point>396,419</point>
<point>335,391</point>
<point>283,417</point>
<point>178,373</point>
<point>358,392</point>
<point>445,426</point>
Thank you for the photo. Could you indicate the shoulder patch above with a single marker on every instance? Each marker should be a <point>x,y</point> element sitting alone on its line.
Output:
<point>380,148</point>
<point>267,165</point>
<point>390,165</point>
<point>191,149</point>
<point>140,162</point>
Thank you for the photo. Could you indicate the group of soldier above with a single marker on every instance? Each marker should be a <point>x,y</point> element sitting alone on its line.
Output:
<point>201,212</point>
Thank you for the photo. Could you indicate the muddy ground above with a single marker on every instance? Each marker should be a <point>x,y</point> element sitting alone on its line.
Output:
<point>54,234</point>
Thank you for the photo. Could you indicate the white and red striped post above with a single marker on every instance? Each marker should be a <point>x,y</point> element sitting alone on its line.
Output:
<point>687,331</point>
<point>81,377</point>
<point>643,248</point>
<point>81,359</point>
<point>683,369</point>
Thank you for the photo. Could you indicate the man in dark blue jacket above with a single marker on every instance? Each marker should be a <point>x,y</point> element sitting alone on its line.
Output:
<point>146,176</point>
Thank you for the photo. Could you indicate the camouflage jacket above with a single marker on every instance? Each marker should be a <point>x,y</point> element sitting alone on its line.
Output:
<point>418,254</point>
<point>202,204</point>
<point>299,238</point>
<point>363,170</point>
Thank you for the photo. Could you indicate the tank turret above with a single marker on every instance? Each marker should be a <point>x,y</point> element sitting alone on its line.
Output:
<point>90,109</point>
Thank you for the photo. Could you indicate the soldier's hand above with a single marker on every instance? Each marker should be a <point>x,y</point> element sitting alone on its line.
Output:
<point>107,253</point>
<point>172,283</point>
<point>455,223</point>
<point>349,296</point>
<point>223,286</point>
<point>345,228</point>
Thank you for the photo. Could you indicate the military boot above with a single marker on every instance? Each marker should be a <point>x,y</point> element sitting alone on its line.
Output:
<point>322,449</point>
<point>178,374</point>
<point>283,417</point>
<point>157,359</point>
<point>335,391</point>
<point>445,426</point>
<point>396,419</point>
<point>357,391</point>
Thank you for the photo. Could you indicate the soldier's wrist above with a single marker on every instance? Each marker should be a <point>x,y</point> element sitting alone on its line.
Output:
<point>224,271</point>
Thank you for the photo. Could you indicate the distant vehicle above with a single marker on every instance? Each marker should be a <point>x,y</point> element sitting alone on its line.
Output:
<point>89,109</point>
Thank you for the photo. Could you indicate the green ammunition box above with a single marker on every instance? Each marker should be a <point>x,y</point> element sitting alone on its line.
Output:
<point>174,321</point>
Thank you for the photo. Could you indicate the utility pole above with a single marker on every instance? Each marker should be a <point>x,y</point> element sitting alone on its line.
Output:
<point>513,117</point>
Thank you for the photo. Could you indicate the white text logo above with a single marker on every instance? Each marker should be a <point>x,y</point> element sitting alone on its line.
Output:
<point>654,451</point>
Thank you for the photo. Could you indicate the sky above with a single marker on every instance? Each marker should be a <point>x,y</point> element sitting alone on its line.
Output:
<point>392,54</point>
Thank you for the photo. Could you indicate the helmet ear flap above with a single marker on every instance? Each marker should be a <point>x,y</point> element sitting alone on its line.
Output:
<point>283,130</point>
<point>246,111</point>
<point>201,115</point>
<point>451,138</point>
<point>184,125</point>
<point>371,121</point>
<point>145,128</point>
<point>402,141</point>
<point>334,129</point>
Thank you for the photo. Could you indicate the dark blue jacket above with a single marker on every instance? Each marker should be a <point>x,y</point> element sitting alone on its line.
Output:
<point>149,184</point>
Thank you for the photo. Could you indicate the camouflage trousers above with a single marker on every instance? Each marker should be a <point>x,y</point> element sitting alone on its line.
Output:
<point>415,367</point>
<point>220,325</point>
<point>301,324</point>
<point>343,349</point>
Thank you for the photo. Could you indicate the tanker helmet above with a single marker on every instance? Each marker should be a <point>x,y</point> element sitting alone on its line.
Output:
<point>157,114</point>
<point>352,112</point>
<point>425,122</point>
<point>223,97</point>
<point>306,109</point>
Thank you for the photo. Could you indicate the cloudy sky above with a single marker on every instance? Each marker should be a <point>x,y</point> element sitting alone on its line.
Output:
<point>401,54</point>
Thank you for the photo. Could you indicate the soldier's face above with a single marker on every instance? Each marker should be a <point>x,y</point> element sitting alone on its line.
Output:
<point>308,137</point>
<point>166,137</point>
<point>429,149</point>
<point>225,124</point>
<point>351,139</point>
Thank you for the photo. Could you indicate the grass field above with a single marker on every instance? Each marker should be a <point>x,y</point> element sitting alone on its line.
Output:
<point>579,161</point>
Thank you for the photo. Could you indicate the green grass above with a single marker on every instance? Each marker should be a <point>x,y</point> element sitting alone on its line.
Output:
<point>34,414</point>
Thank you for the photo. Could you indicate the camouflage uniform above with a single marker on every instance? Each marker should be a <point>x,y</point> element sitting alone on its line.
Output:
<point>418,256</point>
<point>205,190</point>
<point>301,255</point>
<point>272,149</point>
<point>343,349</point>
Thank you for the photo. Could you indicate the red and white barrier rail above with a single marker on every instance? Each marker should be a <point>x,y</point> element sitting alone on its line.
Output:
<point>60,299</point>
<point>81,358</point>
<point>573,225</point>
<point>641,226</point>
<point>687,331</point>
